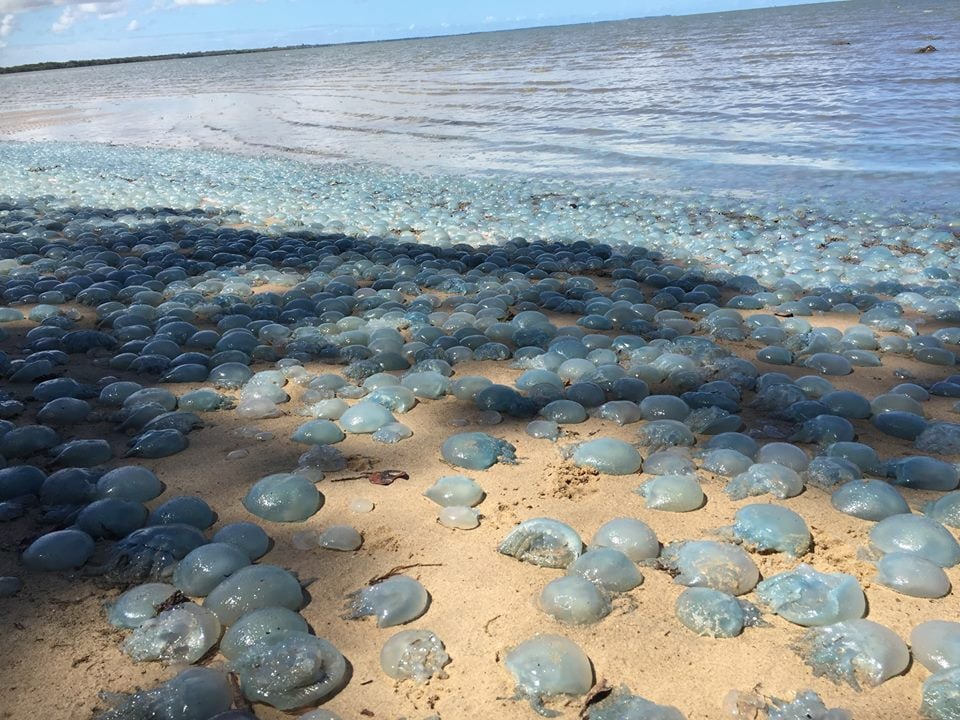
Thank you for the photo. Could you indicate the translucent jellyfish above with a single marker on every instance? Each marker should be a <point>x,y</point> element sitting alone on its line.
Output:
<point>416,655</point>
<point>111,518</point>
<point>198,693</point>
<point>621,412</point>
<point>936,645</point>
<point>205,567</point>
<point>27,440</point>
<point>70,486</point>
<point>899,424</point>
<point>674,493</point>
<point>459,517</point>
<point>138,604</point>
<point>780,481</point>
<point>318,714</point>
<point>621,704</point>
<point>158,444</point>
<point>19,480</point>
<point>394,601</point>
<point>430,385</point>
<point>251,588</point>
<point>283,497</point>
<point>361,505</point>
<point>940,438</point>
<point>917,535</point>
<point>574,600</point>
<point>290,669</point>
<point>661,434</point>
<point>365,417</point>
<point>807,705</point>
<point>858,652</point>
<point>184,422</point>
<point>116,393</point>
<point>810,598</point>
<point>925,473</point>
<point>771,528</point>
<point>392,433</point>
<point>332,408</point>
<point>130,482</point>
<point>253,627</point>
<point>455,490</point>
<point>182,634</point>
<point>250,538</point>
<point>467,387</point>
<point>726,462</point>
<point>675,461</point>
<point>184,510</point>
<point>828,472</point>
<point>151,552</point>
<point>543,429</point>
<point>609,569</point>
<point>846,403</point>
<point>607,455</point>
<point>476,451</point>
<point>318,432</point>
<point>547,666</point>
<point>946,510</point>
<point>705,563</point>
<point>340,537</point>
<point>396,398</point>
<point>941,696</point>
<point>59,550</point>
<point>632,537</point>
<point>824,429</point>
<point>863,456</point>
<point>895,402</point>
<point>829,363</point>
<point>64,411</point>
<point>544,542</point>
<point>869,500</point>
<point>910,574</point>
<point>230,375</point>
<point>710,613</point>
<point>505,400</point>
<point>784,454</point>
<point>204,400</point>
<point>564,412</point>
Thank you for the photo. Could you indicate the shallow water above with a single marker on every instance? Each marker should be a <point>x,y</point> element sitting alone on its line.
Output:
<point>826,100</point>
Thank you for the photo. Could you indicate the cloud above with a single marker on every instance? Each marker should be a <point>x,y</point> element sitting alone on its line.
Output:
<point>7,24</point>
<point>133,26</point>
<point>75,12</point>
<point>180,3</point>
<point>19,6</point>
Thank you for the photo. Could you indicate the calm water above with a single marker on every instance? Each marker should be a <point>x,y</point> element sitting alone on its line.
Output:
<point>827,100</point>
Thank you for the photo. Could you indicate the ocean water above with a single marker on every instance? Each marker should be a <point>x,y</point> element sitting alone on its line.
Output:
<point>828,101</point>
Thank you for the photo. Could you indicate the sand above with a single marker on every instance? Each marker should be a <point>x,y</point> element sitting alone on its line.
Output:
<point>60,653</point>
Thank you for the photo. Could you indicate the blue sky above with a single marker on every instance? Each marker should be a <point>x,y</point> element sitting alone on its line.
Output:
<point>43,30</point>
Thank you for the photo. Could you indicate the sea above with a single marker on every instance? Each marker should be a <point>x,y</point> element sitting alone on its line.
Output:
<point>829,100</point>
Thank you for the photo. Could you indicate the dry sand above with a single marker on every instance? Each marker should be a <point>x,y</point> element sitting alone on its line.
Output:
<point>60,652</point>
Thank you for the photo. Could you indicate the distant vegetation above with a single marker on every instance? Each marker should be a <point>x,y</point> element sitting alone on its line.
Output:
<point>32,67</point>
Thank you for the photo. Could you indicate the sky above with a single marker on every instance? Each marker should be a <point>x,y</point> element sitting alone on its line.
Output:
<point>55,30</point>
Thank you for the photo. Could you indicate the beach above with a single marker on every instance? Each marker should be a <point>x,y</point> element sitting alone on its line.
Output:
<point>329,219</point>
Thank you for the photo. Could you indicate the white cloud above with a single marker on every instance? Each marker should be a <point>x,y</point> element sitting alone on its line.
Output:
<point>75,12</point>
<point>18,6</point>
<point>7,23</point>
<point>133,26</point>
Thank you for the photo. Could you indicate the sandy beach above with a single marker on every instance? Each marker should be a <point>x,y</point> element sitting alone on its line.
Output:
<point>61,652</point>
